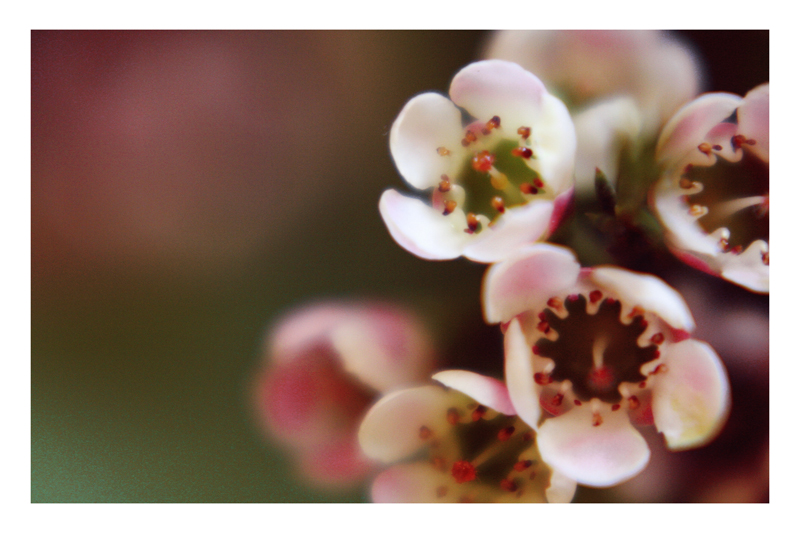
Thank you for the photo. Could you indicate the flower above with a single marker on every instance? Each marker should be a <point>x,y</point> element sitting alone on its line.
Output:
<point>713,194</point>
<point>326,364</point>
<point>502,181</point>
<point>464,444</point>
<point>582,67</point>
<point>600,349</point>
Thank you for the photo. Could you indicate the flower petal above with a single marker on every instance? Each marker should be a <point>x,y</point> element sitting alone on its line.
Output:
<point>304,329</point>
<point>408,483</point>
<point>754,120</point>
<point>390,430</point>
<point>485,390</point>
<point>427,122</point>
<point>496,87</point>
<point>598,456</point>
<point>526,280</point>
<point>517,227</point>
<point>335,463</point>
<point>562,488</point>
<point>692,399</point>
<point>519,375</point>
<point>421,229</point>
<point>646,291</point>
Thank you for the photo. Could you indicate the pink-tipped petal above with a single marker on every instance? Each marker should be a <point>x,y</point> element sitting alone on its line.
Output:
<point>562,488</point>
<point>305,328</point>
<point>517,227</point>
<point>498,88</point>
<point>390,430</point>
<point>421,229</point>
<point>427,122</point>
<point>754,120</point>
<point>690,125</point>
<point>646,291</point>
<point>554,137</point>
<point>408,483</point>
<point>485,390</point>
<point>692,399</point>
<point>336,463</point>
<point>597,456</point>
<point>519,375</point>
<point>526,280</point>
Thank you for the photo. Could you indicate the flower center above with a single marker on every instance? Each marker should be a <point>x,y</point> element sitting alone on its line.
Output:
<point>731,199</point>
<point>596,351</point>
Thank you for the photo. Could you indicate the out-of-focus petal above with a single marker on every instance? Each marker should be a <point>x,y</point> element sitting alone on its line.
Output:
<point>390,430</point>
<point>407,483</point>
<point>597,456</point>
<point>691,400</point>
<point>753,117</point>
<point>421,229</point>
<point>526,280</point>
<point>336,463</point>
<point>648,292</point>
<point>427,122</point>
<point>305,328</point>
<point>519,372</point>
<point>562,488</point>
<point>518,226</point>
<point>485,390</point>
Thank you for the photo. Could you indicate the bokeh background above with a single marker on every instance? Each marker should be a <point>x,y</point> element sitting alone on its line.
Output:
<point>190,187</point>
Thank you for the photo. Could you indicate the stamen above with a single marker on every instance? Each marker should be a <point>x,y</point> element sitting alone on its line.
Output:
<point>520,466</point>
<point>483,161</point>
<point>537,182</point>
<point>507,484</point>
<point>660,369</point>
<point>595,296</point>
<point>463,471</point>
<point>522,151</point>
<point>452,416</point>
<point>557,399</point>
<point>473,223</point>
<point>478,413</point>
<point>499,204</point>
<point>527,188</point>
<point>542,379</point>
<point>524,132</point>
<point>444,185</point>
<point>738,140</point>
<point>765,258</point>
<point>697,210</point>
<point>493,123</point>
<point>449,207</point>
<point>442,151</point>
<point>577,402</point>
<point>705,148</point>
<point>469,137</point>
<point>685,183</point>
<point>633,403</point>
<point>615,407</point>
<point>505,433</point>
<point>658,338</point>
<point>555,303</point>
<point>596,419</point>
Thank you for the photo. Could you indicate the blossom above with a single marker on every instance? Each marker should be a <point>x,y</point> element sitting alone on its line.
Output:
<point>326,364</point>
<point>503,180</point>
<point>462,444</point>
<point>598,350</point>
<point>713,194</point>
<point>582,67</point>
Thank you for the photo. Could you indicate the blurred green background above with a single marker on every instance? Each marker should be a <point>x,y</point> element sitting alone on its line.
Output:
<point>189,187</point>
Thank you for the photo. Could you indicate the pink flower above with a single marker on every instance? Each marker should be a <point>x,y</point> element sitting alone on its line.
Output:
<point>599,350</point>
<point>326,364</point>
<point>463,444</point>
<point>713,195</point>
<point>503,180</point>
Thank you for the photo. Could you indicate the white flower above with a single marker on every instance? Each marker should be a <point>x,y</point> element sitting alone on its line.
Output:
<point>459,445</point>
<point>713,195</point>
<point>600,349</point>
<point>501,181</point>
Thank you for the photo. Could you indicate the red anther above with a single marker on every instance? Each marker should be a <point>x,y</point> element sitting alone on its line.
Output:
<point>527,188</point>
<point>425,432</point>
<point>519,466</point>
<point>573,297</point>
<point>493,123</point>
<point>449,207</point>
<point>724,244</point>
<point>657,338</point>
<point>535,349</point>
<point>633,403</point>
<point>505,433</point>
<point>577,402</point>
<point>716,147</point>
<point>555,303</point>
<point>538,183</point>
<point>611,301</point>
<point>441,491</point>
<point>595,296</point>
<point>657,354</point>
<point>542,379</point>
<point>615,407</point>
<point>739,140</point>
<point>528,435</point>
<point>452,416</point>
<point>705,148</point>
<point>660,369</point>
<point>601,378</point>
<point>542,316</point>
<point>636,311</point>
<point>524,132</point>
<point>463,471</point>
<point>736,250</point>
<point>442,151</point>
<point>642,384</point>
<point>444,185</point>
<point>499,204</point>
<point>596,419</point>
<point>464,143</point>
<point>508,485</point>
<point>469,137</point>
<point>765,258</point>
<point>685,183</point>
<point>483,161</point>
<point>557,399</point>
<point>439,464</point>
<point>478,413</point>
<point>543,326</point>
<point>643,323</point>
<point>472,223</point>
<point>522,151</point>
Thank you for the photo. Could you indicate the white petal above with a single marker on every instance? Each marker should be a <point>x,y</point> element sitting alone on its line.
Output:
<point>409,483</point>
<point>554,139</point>
<point>526,280</point>
<point>427,122</point>
<point>747,269</point>
<point>754,120</point>
<point>390,429</point>
<point>519,375</point>
<point>485,390</point>
<point>598,456</point>
<point>646,291</point>
<point>562,488</point>
<point>421,229</point>
<point>689,126</point>
<point>692,399</point>
<point>495,87</point>
<point>517,227</point>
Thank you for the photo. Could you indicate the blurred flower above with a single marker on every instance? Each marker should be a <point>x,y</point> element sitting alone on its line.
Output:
<point>464,444</point>
<point>713,197</point>
<point>502,181</point>
<point>326,364</point>
<point>599,349</point>
<point>581,67</point>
